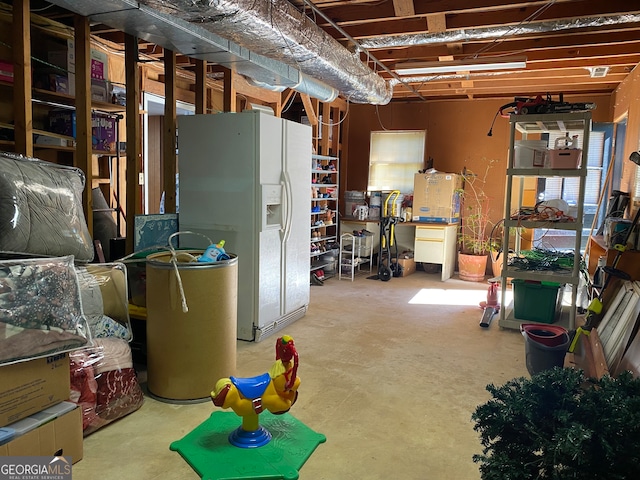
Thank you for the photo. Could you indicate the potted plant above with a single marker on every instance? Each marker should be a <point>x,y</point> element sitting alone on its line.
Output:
<point>474,239</point>
<point>560,425</point>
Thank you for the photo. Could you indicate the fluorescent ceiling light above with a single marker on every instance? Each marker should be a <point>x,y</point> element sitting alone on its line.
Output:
<point>474,65</point>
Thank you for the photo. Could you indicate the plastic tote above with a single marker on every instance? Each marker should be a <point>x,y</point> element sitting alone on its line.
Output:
<point>545,346</point>
<point>188,351</point>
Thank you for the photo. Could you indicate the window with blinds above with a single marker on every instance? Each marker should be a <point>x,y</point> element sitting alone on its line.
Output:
<point>394,158</point>
<point>567,188</point>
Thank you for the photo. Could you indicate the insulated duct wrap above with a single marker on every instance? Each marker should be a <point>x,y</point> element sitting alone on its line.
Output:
<point>277,30</point>
<point>489,33</point>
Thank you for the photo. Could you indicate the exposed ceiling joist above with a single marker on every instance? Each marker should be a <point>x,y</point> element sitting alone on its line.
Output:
<point>558,59</point>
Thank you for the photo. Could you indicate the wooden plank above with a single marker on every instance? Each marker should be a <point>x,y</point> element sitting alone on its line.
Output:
<point>84,143</point>
<point>169,133</point>
<point>325,141</point>
<point>309,109</point>
<point>229,100</point>
<point>336,141</point>
<point>403,8</point>
<point>382,20</point>
<point>354,12</point>
<point>156,87</point>
<point>22,78</point>
<point>244,88</point>
<point>436,22</point>
<point>201,86</point>
<point>588,356</point>
<point>134,136</point>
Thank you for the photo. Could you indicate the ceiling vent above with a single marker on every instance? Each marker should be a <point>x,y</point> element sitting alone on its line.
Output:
<point>598,72</point>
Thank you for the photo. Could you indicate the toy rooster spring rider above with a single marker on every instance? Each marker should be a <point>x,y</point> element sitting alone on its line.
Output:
<point>276,391</point>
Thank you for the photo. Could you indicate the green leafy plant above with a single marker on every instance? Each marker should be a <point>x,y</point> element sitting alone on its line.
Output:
<point>561,425</point>
<point>476,207</point>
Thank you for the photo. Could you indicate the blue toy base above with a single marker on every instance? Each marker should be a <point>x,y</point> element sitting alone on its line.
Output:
<point>243,439</point>
<point>208,451</point>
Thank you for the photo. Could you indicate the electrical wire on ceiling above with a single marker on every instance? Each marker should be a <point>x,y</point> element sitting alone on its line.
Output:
<point>359,48</point>
<point>500,39</point>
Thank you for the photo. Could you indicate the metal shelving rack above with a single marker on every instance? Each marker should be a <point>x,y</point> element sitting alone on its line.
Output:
<point>355,253</point>
<point>326,202</point>
<point>529,124</point>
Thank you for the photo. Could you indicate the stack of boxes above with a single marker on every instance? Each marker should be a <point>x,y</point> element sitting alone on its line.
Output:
<point>66,82</point>
<point>103,128</point>
<point>35,418</point>
<point>62,80</point>
<point>436,197</point>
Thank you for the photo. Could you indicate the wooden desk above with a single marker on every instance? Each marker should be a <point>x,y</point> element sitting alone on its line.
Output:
<point>431,242</point>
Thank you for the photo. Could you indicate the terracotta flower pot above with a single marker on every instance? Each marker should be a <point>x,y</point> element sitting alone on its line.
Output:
<point>472,267</point>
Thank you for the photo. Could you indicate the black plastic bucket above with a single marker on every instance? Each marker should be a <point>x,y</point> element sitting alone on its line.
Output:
<point>540,357</point>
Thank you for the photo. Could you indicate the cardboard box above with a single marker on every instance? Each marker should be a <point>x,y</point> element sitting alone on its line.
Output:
<point>436,197</point>
<point>63,122</point>
<point>103,132</point>
<point>53,141</point>
<point>99,91</point>
<point>31,386</point>
<point>63,433</point>
<point>66,59</point>
<point>103,128</point>
<point>58,83</point>
<point>99,65</point>
<point>6,71</point>
<point>408,265</point>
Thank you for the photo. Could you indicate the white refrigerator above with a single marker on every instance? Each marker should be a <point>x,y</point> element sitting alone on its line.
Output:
<point>244,178</point>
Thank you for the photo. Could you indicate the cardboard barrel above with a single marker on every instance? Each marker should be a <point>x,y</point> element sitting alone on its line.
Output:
<point>187,352</point>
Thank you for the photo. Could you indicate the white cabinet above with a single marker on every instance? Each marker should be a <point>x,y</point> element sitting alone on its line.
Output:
<point>324,213</point>
<point>436,243</point>
<point>537,124</point>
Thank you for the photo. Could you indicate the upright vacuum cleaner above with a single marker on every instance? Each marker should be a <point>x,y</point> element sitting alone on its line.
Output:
<point>387,239</point>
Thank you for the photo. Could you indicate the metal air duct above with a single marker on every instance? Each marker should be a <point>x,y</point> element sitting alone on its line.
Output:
<point>488,33</point>
<point>250,37</point>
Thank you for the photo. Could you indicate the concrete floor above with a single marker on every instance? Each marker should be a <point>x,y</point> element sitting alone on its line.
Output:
<point>391,373</point>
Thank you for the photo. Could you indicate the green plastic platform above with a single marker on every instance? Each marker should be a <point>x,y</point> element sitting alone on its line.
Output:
<point>208,451</point>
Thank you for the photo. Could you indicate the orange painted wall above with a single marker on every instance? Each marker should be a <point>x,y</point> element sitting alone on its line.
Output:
<point>626,102</point>
<point>456,137</point>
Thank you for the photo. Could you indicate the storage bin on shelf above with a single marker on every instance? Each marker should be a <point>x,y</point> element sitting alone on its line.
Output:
<point>566,158</point>
<point>530,153</point>
<point>565,155</point>
<point>536,301</point>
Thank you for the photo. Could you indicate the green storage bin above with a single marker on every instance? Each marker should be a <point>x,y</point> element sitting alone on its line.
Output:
<point>536,301</point>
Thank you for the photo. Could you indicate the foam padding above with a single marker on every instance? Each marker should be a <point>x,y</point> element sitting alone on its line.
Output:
<point>208,451</point>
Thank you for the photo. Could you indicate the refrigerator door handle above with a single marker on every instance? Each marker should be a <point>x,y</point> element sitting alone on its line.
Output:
<point>286,205</point>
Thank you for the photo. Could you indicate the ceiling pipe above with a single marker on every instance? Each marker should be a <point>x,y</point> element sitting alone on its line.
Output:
<point>262,36</point>
<point>189,39</point>
<point>277,30</point>
<point>489,33</point>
